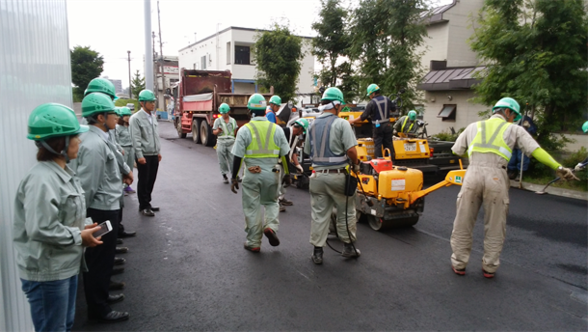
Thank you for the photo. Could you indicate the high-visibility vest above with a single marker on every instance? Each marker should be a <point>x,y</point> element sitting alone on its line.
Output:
<point>227,130</point>
<point>490,138</point>
<point>404,124</point>
<point>320,149</point>
<point>262,143</point>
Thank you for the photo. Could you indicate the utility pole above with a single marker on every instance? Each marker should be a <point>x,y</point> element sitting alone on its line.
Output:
<point>148,47</point>
<point>161,58</point>
<point>130,91</point>
<point>155,82</point>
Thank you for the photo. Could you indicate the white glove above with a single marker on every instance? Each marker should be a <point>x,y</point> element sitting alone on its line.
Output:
<point>578,167</point>
<point>300,169</point>
<point>566,174</point>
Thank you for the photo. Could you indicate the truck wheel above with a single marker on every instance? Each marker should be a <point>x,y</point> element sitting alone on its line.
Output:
<point>206,136</point>
<point>196,131</point>
<point>179,128</point>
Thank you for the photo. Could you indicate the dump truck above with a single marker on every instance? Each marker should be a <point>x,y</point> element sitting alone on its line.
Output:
<point>200,93</point>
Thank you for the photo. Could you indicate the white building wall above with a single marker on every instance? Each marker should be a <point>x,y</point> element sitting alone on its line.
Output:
<point>460,29</point>
<point>34,69</point>
<point>435,44</point>
<point>467,112</point>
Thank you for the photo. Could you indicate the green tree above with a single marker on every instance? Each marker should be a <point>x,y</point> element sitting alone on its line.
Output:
<point>331,48</point>
<point>137,84</point>
<point>86,64</point>
<point>278,57</point>
<point>535,52</point>
<point>385,37</point>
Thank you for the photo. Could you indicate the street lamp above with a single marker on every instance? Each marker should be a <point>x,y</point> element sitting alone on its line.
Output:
<point>130,91</point>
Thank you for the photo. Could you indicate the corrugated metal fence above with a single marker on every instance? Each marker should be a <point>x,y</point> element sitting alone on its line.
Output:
<point>34,69</point>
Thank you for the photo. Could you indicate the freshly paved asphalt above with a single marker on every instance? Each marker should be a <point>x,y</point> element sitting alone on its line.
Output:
<point>187,269</point>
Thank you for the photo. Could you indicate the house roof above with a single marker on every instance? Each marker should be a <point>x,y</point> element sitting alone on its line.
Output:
<point>435,15</point>
<point>456,78</point>
<point>227,29</point>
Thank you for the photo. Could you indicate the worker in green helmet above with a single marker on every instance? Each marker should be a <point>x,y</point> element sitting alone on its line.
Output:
<point>407,123</point>
<point>331,146</point>
<point>225,128</point>
<point>123,138</point>
<point>101,179</point>
<point>50,229</point>
<point>292,134</point>
<point>145,137</point>
<point>259,144</point>
<point>101,85</point>
<point>379,109</point>
<point>581,165</point>
<point>275,103</point>
<point>489,144</point>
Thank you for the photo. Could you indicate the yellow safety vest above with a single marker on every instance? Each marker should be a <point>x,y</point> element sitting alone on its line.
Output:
<point>262,143</point>
<point>490,138</point>
<point>404,124</point>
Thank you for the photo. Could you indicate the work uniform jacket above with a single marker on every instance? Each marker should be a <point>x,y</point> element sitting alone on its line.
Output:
<point>514,137</point>
<point>378,109</point>
<point>98,170</point>
<point>340,139</point>
<point>144,134</point>
<point>49,215</point>
<point>405,125</point>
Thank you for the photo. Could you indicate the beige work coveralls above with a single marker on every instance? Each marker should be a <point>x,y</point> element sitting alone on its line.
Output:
<point>486,182</point>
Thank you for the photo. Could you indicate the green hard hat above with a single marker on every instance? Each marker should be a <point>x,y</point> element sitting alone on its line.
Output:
<point>372,88</point>
<point>511,104</point>
<point>96,103</point>
<point>146,95</point>
<point>412,115</point>
<point>117,110</point>
<point>585,127</point>
<point>276,100</point>
<point>302,123</point>
<point>122,111</point>
<point>256,102</point>
<point>53,120</point>
<point>224,108</point>
<point>333,94</point>
<point>101,85</point>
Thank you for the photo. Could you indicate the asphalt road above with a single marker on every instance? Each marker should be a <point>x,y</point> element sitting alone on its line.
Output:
<point>187,269</point>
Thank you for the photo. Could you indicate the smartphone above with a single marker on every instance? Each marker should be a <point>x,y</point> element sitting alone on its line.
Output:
<point>105,228</point>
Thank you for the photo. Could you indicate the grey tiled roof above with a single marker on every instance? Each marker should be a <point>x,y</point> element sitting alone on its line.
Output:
<point>450,79</point>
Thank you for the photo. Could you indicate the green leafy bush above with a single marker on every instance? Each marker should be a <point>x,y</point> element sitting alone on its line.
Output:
<point>447,136</point>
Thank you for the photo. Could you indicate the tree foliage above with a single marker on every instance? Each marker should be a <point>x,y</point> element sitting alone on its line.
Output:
<point>331,48</point>
<point>278,57</point>
<point>385,37</point>
<point>137,84</point>
<point>86,64</point>
<point>535,52</point>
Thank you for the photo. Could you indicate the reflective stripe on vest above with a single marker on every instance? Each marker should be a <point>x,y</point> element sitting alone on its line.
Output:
<point>225,132</point>
<point>404,124</point>
<point>323,156</point>
<point>495,144</point>
<point>383,112</point>
<point>262,132</point>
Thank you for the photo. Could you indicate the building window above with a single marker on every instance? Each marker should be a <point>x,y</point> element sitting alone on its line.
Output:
<point>242,55</point>
<point>448,112</point>
<point>228,53</point>
<point>203,62</point>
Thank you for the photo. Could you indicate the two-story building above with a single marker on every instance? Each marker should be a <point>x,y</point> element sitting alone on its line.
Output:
<point>231,49</point>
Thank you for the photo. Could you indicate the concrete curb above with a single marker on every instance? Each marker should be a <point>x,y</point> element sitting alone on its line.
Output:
<point>551,190</point>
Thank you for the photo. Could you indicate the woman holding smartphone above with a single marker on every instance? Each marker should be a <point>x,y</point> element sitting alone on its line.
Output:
<point>50,228</point>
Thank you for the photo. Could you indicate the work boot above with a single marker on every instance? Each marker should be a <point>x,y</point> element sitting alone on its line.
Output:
<point>250,248</point>
<point>272,237</point>
<point>122,250</point>
<point>317,255</point>
<point>459,272</point>
<point>282,208</point>
<point>116,285</point>
<point>350,251</point>
<point>119,261</point>
<point>286,202</point>
<point>226,179</point>
<point>488,275</point>
<point>147,212</point>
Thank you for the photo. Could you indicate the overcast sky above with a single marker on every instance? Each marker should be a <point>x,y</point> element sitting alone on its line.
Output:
<point>113,27</point>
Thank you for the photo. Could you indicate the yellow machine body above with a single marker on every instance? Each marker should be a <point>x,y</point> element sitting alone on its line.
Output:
<point>398,183</point>
<point>411,148</point>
